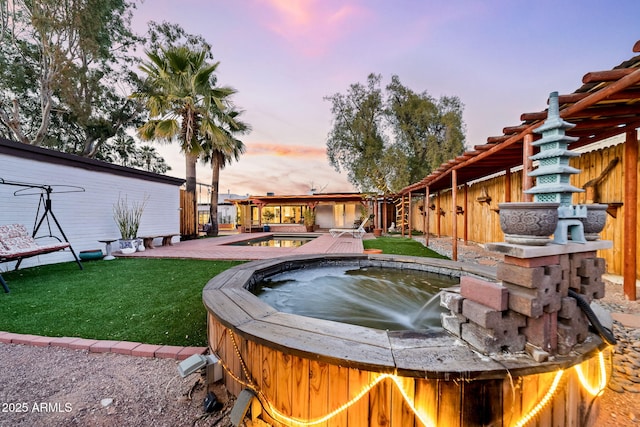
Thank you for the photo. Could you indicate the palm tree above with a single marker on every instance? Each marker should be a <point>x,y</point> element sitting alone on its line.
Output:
<point>125,148</point>
<point>220,151</point>
<point>179,93</point>
<point>148,158</point>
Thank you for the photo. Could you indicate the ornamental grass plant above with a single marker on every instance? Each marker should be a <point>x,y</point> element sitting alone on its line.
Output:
<point>128,217</point>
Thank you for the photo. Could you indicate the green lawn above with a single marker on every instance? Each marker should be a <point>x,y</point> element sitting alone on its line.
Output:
<point>401,246</point>
<point>154,301</point>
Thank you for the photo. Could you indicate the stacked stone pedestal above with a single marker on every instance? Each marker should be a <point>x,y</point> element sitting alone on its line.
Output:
<point>528,306</point>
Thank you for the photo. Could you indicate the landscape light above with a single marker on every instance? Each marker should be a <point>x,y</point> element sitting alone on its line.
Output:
<point>191,364</point>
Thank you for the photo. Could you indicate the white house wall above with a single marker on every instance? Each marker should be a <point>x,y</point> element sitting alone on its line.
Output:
<point>84,216</point>
<point>324,216</point>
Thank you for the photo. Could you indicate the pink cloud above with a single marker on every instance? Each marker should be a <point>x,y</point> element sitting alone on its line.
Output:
<point>311,26</point>
<point>281,150</point>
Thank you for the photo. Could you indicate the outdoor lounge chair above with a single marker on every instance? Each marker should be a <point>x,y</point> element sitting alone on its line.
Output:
<point>355,232</point>
<point>17,244</point>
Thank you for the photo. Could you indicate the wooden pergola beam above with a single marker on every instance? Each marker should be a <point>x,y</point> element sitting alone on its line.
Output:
<point>586,113</point>
<point>572,98</point>
<point>602,123</point>
<point>606,76</point>
<point>630,245</point>
<point>497,139</point>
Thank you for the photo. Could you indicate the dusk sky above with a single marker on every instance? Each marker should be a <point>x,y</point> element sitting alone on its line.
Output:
<point>500,57</point>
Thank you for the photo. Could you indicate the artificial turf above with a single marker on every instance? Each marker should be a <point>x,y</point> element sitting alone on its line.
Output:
<point>154,301</point>
<point>401,246</point>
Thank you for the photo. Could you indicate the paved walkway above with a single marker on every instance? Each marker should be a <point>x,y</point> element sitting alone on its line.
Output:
<point>220,248</point>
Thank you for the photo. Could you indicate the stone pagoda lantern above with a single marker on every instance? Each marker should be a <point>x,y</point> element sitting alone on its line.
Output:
<point>553,175</point>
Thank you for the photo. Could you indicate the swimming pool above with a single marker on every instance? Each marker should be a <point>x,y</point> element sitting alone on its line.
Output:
<point>275,241</point>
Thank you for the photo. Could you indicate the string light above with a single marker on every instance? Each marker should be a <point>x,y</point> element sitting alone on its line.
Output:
<point>593,390</point>
<point>421,417</point>
<point>543,402</point>
<point>424,419</point>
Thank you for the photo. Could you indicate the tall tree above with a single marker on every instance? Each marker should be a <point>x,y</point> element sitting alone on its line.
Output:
<point>148,158</point>
<point>356,140</point>
<point>220,151</point>
<point>428,131</point>
<point>424,133</point>
<point>62,62</point>
<point>180,96</point>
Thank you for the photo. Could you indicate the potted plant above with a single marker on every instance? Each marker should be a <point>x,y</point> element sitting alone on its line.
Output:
<point>268,217</point>
<point>310,219</point>
<point>127,218</point>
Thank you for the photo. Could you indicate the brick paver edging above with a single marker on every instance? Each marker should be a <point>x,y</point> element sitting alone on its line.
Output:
<point>104,346</point>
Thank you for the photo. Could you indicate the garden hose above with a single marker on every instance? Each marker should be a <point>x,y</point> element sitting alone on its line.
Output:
<point>604,333</point>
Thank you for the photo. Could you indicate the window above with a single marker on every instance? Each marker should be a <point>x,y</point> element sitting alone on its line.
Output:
<point>278,215</point>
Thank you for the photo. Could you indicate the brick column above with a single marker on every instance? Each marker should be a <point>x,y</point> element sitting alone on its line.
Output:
<point>528,306</point>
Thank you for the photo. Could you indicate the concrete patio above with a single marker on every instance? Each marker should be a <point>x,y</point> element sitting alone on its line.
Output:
<point>219,248</point>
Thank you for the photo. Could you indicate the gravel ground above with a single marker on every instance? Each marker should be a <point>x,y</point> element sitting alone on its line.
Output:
<point>50,386</point>
<point>53,386</point>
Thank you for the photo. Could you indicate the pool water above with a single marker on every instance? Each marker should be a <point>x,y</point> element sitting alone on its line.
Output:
<point>276,241</point>
<point>376,297</point>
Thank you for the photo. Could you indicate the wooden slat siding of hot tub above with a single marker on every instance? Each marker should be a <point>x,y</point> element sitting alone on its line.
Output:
<point>426,392</point>
<point>234,364</point>
<point>338,393</point>
<point>485,394</point>
<point>318,390</point>
<point>400,411</point>
<point>300,388</point>
<point>529,394</point>
<point>358,413</point>
<point>492,389</point>
<point>217,335</point>
<point>261,378</point>
<point>573,399</point>
<point>285,398</point>
<point>285,375</point>
<point>546,415</point>
<point>559,410</point>
<point>380,403</point>
<point>569,405</point>
<point>269,373</point>
<point>449,403</point>
<point>511,405</point>
<point>243,346</point>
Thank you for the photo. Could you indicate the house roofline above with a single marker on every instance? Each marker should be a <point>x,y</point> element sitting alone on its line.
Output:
<point>17,149</point>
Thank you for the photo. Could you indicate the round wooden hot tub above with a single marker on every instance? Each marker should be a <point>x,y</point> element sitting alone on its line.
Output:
<point>308,371</point>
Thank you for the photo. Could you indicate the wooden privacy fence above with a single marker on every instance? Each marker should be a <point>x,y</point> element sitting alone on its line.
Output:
<point>477,213</point>
<point>187,214</point>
